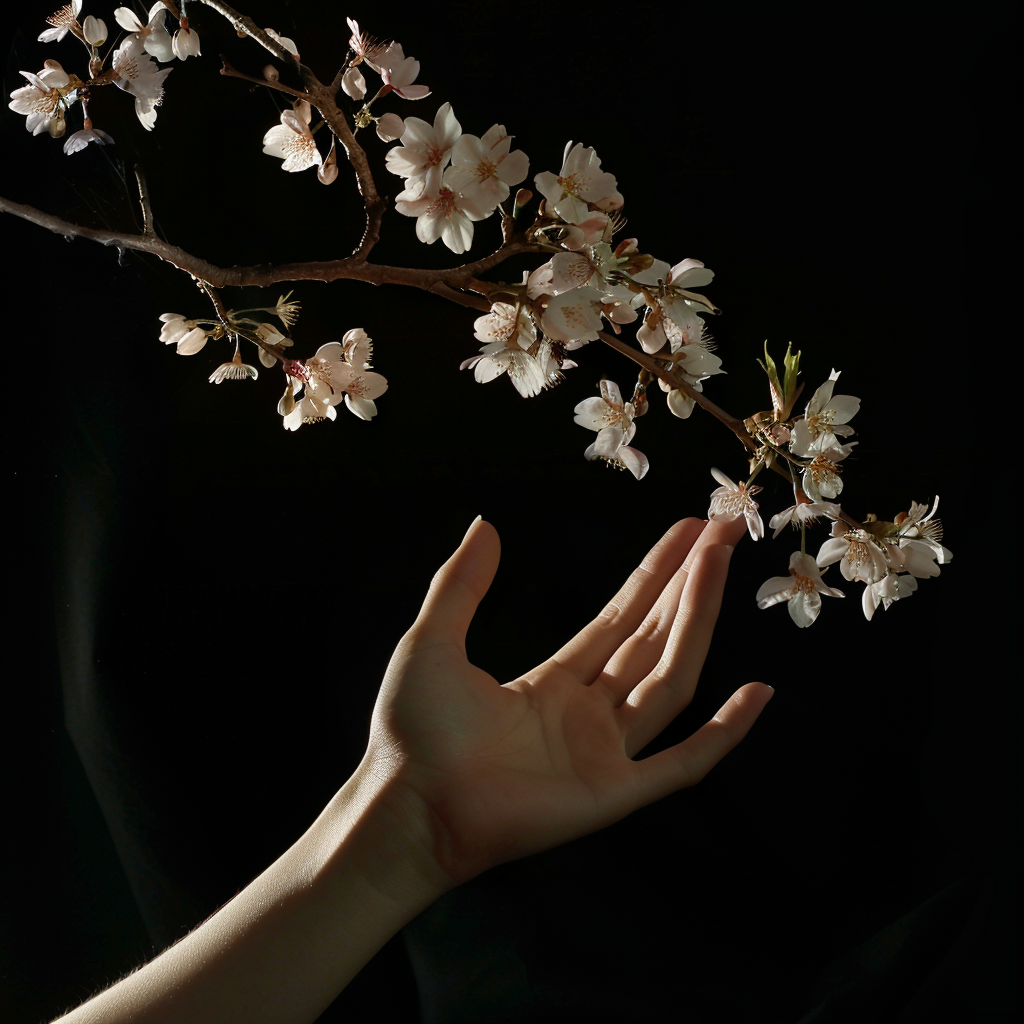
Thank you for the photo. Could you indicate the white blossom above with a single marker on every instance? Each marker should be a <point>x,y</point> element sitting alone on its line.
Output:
<point>732,500</point>
<point>487,165</point>
<point>187,335</point>
<point>573,317</point>
<point>444,214</point>
<point>580,184</point>
<point>891,587</point>
<point>45,100</point>
<point>804,513</point>
<point>821,477</point>
<point>425,149</point>
<point>185,42</point>
<point>153,35</point>
<point>292,141</point>
<point>825,419</point>
<point>508,337</point>
<point>62,21</point>
<point>139,75</point>
<point>80,139</point>
<point>859,557</point>
<point>233,370</point>
<point>399,72</point>
<point>801,589</point>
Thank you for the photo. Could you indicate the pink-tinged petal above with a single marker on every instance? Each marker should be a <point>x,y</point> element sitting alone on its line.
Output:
<point>446,127</point>
<point>514,168</point>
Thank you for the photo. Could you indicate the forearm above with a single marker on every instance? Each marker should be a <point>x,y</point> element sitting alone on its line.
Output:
<point>289,942</point>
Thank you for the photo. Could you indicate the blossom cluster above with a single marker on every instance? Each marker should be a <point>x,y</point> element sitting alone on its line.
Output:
<point>887,557</point>
<point>589,283</point>
<point>52,92</point>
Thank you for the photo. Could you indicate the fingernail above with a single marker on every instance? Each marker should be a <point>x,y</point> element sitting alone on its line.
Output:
<point>471,525</point>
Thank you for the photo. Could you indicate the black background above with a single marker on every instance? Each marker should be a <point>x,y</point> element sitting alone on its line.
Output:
<point>205,603</point>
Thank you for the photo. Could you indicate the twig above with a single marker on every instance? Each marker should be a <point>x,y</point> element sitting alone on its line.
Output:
<point>147,209</point>
<point>230,72</point>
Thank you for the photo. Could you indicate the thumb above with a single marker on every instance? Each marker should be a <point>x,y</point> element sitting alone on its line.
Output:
<point>459,585</point>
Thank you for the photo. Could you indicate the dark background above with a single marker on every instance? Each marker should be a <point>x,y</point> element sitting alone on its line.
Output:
<point>205,604</point>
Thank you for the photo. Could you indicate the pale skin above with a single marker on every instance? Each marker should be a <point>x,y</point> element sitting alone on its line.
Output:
<point>460,774</point>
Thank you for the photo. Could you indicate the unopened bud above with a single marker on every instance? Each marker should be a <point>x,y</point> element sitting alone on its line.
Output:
<point>56,127</point>
<point>94,30</point>
<point>270,73</point>
<point>328,170</point>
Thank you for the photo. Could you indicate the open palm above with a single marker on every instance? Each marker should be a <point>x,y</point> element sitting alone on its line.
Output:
<point>502,771</point>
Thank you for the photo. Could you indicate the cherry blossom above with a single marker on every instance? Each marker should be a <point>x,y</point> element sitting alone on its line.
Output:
<point>62,21</point>
<point>153,35</point>
<point>821,476</point>
<point>804,513</point>
<point>233,370</point>
<point>328,379</point>
<point>801,589</point>
<point>487,165</point>
<point>185,42</point>
<point>508,336</point>
<point>573,317</point>
<point>292,141</point>
<point>187,335</point>
<point>138,74</point>
<point>365,47</point>
<point>46,99</point>
<point>859,557</point>
<point>612,445</point>
<point>399,72</point>
<point>921,540</point>
<point>826,417</point>
<point>444,214</point>
<point>80,139</point>
<point>425,149</point>
<point>272,336</point>
<point>889,588</point>
<point>732,500</point>
<point>580,183</point>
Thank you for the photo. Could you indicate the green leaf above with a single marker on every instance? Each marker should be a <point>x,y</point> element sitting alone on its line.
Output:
<point>773,380</point>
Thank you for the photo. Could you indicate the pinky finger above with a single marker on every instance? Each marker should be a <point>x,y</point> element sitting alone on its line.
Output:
<point>688,762</point>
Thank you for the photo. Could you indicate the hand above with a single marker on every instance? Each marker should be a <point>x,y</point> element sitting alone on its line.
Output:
<point>496,772</point>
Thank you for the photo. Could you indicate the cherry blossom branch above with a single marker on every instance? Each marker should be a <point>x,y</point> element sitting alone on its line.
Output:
<point>147,209</point>
<point>347,268</point>
<point>231,72</point>
<point>245,26</point>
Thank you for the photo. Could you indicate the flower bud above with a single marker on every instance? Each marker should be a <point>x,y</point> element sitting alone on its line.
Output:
<point>56,126</point>
<point>328,170</point>
<point>270,73</point>
<point>94,30</point>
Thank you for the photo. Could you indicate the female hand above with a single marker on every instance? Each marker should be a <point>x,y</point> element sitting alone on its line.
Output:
<point>494,772</point>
